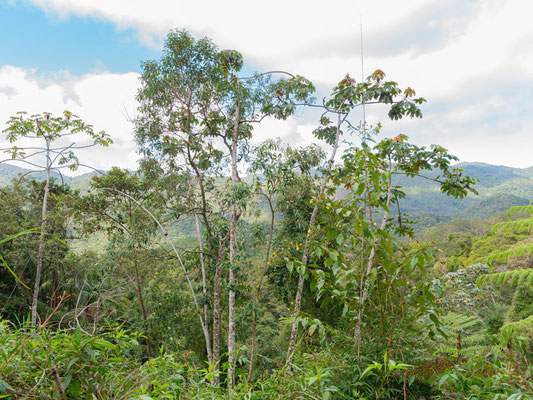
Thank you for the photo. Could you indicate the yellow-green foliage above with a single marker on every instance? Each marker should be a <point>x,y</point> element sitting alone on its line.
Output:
<point>518,277</point>
<point>508,330</point>
<point>518,251</point>
<point>517,225</point>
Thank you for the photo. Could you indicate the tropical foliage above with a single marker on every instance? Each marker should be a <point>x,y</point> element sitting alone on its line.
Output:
<point>224,268</point>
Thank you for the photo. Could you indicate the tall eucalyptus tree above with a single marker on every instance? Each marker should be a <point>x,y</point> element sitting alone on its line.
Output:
<point>196,111</point>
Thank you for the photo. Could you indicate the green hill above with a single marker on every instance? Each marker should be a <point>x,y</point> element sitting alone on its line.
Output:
<point>9,172</point>
<point>499,188</point>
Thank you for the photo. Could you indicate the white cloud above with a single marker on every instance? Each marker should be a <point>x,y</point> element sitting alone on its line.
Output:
<point>470,58</point>
<point>104,100</point>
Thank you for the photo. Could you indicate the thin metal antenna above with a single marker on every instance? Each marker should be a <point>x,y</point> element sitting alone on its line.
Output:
<point>362,69</point>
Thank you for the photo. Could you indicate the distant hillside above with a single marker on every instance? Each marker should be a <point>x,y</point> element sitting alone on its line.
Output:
<point>9,172</point>
<point>499,188</point>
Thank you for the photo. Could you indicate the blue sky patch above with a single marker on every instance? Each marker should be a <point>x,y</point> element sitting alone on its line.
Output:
<point>32,39</point>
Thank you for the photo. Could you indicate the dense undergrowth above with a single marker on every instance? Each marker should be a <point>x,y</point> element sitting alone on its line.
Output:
<point>47,364</point>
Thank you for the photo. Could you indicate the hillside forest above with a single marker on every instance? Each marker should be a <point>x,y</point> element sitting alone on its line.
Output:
<point>358,267</point>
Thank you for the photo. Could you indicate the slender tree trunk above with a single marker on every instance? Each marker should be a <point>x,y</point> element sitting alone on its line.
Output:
<point>204,287</point>
<point>55,294</point>
<point>258,294</point>
<point>40,256</point>
<point>232,250</point>
<point>209,349</point>
<point>204,199</point>
<point>216,310</point>
<point>369,264</point>
<point>367,203</point>
<point>305,254</point>
<point>141,301</point>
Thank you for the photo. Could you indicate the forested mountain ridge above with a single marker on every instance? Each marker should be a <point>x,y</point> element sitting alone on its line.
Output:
<point>9,172</point>
<point>499,188</point>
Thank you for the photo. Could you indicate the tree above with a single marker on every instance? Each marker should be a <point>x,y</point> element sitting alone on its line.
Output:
<point>382,260</point>
<point>194,106</point>
<point>20,216</point>
<point>276,168</point>
<point>178,120</point>
<point>111,208</point>
<point>47,131</point>
<point>346,96</point>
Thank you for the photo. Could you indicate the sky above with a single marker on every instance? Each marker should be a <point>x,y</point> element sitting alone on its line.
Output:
<point>471,59</point>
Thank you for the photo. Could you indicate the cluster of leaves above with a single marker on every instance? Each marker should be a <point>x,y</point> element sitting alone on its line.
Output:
<point>50,129</point>
<point>49,364</point>
<point>491,376</point>
<point>460,289</point>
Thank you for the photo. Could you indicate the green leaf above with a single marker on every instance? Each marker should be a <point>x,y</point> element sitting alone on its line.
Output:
<point>434,318</point>
<point>443,380</point>
<point>65,381</point>
<point>4,387</point>
<point>99,342</point>
<point>32,230</point>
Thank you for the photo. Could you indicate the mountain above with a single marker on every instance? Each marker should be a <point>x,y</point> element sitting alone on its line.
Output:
<point>499,188</point>
<point>9,172</point>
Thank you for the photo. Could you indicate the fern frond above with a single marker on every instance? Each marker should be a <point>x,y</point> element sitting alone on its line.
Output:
<point>474,340</point>
<point>459,321</point>
<point>520,225</point>
<point>508,330</point>
<point>517,277</point>
<point>520,210</point>
<point>472,332</point>
<point>517,251</point>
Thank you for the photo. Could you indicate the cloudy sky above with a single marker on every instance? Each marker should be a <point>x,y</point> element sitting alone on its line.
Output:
<point>472,61</point>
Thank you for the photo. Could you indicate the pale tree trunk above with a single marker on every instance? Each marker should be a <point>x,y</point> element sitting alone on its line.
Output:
<point>40,256</point>
<point>209,349</point>
<point>204,287</point>
<point>232,250</point>
<point>258,294</point>
<point>307,243</point>
<point>370,262</point>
